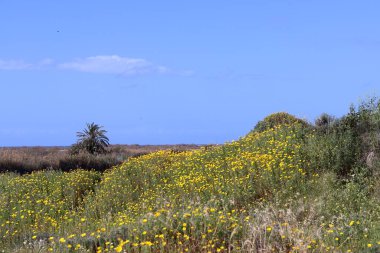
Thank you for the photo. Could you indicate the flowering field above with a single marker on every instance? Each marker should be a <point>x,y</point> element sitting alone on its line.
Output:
<point>257,194</point>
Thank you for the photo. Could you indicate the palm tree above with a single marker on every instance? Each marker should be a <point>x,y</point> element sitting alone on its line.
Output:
<point>92,140</point>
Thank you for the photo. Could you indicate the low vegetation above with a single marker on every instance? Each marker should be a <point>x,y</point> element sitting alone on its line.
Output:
<point>288,186</point>
<point>24,160</point>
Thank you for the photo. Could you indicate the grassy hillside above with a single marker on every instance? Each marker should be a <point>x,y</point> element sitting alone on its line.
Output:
<point>287,186</point>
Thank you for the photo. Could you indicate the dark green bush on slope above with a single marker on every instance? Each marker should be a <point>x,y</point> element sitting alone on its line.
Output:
<point>88,162</point>
<point>279,118</point>
<point>345,144</point>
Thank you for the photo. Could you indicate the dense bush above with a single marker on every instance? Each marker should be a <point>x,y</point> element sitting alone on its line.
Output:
<point>8,165</point>
<point>324,122</point>
<point>88,162</point>
<point>336,151</point>
<point>343,144</point>
<point>276,119</point>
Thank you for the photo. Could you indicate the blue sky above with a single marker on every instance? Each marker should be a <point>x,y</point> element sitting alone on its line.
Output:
<point>166,72</point>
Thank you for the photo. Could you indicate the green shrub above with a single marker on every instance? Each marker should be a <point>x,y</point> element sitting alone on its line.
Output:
<point>21,167</point>
<point>340,145</point>
<point>324,122</point>
<point>88,162</point>
<point>336,151</point>
<point>279,118</point>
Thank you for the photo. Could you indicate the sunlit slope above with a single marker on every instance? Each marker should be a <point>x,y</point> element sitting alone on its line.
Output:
<point>216,199</point>
<point>242,171</point>
<point>285,187</point>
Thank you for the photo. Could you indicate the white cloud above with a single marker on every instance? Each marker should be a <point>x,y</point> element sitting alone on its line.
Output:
<point>46,62</point>
<point>113,64</point>
<point>106,64</point>
<point>14,65</point>
<point>22,65</point>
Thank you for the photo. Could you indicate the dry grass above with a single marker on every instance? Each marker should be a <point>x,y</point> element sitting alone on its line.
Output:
<point>27,159</point>
<point>283,230</point>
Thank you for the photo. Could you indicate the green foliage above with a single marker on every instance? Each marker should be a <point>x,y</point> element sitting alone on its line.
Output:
<point>285,187</point>
<point>340,145</point>
<point>8,165</point>
<point>88,162</point>
<point>336,151</point>
<point>92,140</point>
<point>276,119</point>
<point>324,122</point>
